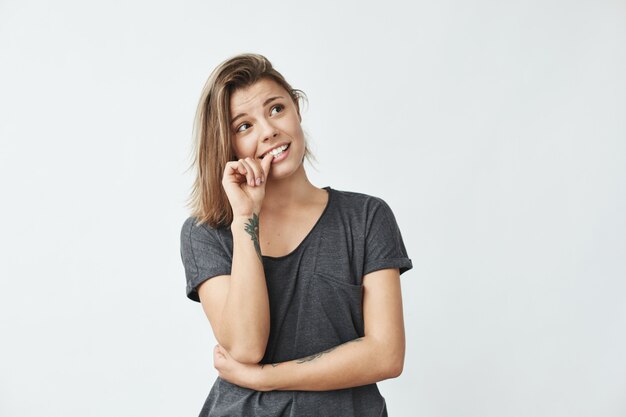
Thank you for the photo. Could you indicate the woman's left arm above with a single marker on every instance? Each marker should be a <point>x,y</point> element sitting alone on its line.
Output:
<point>377,356</point>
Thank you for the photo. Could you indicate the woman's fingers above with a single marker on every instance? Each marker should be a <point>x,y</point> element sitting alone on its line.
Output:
<point>235,168</point>
<point>266,164</point>
<point>249,171</point>
<point>241,169</point>
<point>258,171</point>
<point>218,353</point>
<point>253,172</point>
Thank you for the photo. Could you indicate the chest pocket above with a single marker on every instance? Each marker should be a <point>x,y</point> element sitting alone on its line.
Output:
<point>338,257</point>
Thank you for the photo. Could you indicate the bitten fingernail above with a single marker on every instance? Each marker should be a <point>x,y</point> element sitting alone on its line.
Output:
<point>258,181</point>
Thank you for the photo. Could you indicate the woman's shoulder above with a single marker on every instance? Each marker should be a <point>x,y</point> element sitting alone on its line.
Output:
<point>192,227</point>
<point>356,199</point>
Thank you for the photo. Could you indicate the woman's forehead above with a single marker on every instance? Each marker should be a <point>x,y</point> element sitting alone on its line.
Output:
<point>255,94</point>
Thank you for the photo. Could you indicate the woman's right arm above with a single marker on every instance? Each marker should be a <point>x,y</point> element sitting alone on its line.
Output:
<point>237,305</point>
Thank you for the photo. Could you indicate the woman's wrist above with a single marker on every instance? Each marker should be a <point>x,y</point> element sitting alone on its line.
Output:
<point>244,218</point>
<point>244,225</point>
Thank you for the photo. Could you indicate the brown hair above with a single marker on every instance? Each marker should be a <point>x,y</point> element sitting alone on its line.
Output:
<point>212,135</point>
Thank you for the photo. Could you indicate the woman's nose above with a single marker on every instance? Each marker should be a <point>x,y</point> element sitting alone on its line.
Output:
<point>268,131</point>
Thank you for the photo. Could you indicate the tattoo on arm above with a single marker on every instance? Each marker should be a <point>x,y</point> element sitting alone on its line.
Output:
<point>252,228</point>
<point>317,355</point>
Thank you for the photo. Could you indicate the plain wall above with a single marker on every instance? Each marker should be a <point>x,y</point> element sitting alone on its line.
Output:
<point>495,131</point>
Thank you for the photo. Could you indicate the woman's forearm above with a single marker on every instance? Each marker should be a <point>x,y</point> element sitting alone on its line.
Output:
<point>245,321</point>
<point>358,362</point>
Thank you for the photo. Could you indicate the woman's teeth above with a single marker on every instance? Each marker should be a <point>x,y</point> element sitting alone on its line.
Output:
<point>277,151</point>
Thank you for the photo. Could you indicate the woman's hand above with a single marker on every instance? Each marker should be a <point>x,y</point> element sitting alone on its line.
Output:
<point>244,182</point>
<point>241,374</point>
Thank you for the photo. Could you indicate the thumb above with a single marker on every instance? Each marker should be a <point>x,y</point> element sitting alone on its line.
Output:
<point>266,164</point>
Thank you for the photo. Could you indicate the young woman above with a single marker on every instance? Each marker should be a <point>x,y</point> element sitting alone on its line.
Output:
<point>300,284</point>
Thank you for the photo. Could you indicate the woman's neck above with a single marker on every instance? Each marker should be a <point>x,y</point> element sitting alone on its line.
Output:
<point>285,194</point>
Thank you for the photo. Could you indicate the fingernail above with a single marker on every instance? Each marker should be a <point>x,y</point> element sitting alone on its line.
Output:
<point>258,181</point>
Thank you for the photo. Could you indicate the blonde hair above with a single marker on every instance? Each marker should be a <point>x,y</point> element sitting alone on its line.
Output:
<point>212,135</point>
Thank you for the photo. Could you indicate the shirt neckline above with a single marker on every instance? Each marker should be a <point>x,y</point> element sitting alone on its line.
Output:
<point>319,220</point>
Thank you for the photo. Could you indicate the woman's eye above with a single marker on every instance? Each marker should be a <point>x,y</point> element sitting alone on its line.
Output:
<point>242,125</point>
<point>278,106</point>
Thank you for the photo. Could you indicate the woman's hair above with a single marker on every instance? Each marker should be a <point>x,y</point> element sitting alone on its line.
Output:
<point>212,135</point>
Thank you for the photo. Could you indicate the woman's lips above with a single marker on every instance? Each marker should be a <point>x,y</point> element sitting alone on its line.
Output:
<point>282,156</point>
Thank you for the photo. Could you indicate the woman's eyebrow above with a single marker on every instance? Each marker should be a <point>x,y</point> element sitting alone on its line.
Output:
<point>265,103</point>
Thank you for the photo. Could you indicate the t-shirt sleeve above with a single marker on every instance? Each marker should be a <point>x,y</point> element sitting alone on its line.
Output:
<point>384,247</point>
<point>203,254</point>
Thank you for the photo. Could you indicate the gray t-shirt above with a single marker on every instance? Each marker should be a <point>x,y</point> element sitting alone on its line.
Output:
<point>315,296</point>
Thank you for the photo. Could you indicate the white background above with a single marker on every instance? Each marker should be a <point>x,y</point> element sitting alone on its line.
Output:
<point>495,130</point>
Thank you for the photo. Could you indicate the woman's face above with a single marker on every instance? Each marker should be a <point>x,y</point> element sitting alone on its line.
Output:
<point>263,117</point>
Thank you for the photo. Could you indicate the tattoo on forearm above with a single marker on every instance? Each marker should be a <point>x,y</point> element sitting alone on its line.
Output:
<point>317,355</point>
<point>252,228</point>
<point>274,365</point>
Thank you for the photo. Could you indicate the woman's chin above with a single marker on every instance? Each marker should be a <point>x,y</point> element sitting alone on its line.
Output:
<point>284,171</point>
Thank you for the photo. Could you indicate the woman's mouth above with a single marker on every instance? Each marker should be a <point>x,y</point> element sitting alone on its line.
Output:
<point>277,152</point>
<point>281,155</point>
